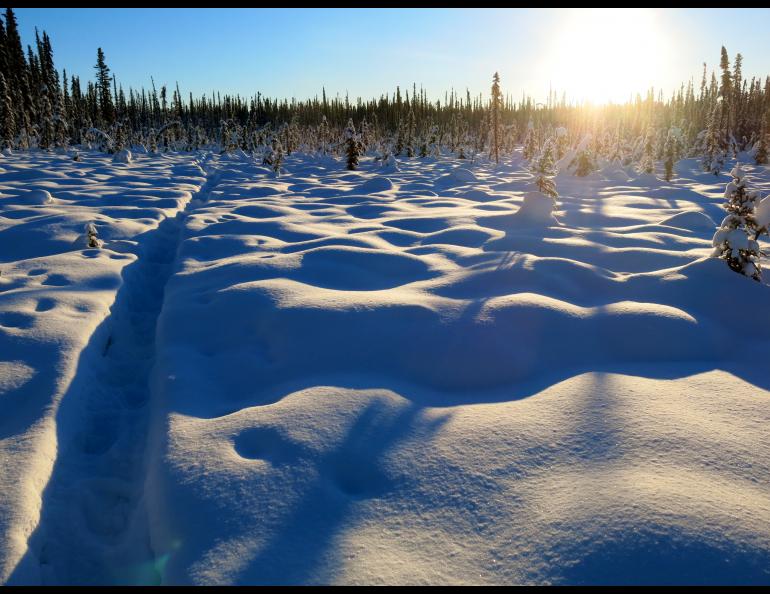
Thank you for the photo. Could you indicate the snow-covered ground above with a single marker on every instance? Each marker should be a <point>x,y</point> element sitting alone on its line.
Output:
<point>381,376</point>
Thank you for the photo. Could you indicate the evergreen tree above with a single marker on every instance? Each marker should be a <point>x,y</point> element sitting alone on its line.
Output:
<point>670,155</point>
<point>530,143</point>
<point>49,111</point>
<point>544,170</point>
<point>46,127</point>
<point>8,118</point>
<point>277,156</point>
<point>119,136</point>
<point>584,162</point>
<point>713,154</point>
<point>353,146</point>
<point>92,236</point>
<point>495,107</point>
<point>736,239</point>
<point>648,156</point>
<point>410,129</point>
<point>760,156</point>
<point>103,81</point>
<point>561,142</point>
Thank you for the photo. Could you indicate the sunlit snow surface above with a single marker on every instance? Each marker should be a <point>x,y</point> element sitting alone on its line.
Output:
<point>391,375</point>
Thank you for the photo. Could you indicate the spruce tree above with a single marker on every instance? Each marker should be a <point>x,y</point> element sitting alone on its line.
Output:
<point>353,146</point>
<point>495,113</point>
<point>277,156</point>
<point>713,154</point>
<point>119,136</point>
<point>726,94</point>
<point>423,148</point>
<point>584,163</point>
<point>760,156</point>
<point>736,239</point>
<point>8,121</point>
<point>544,170</point>
<point>92,236</point>
<point>410,130</point>
<point>669,155</point>
<point>561,142</point>
<point>530,143</point>
<point>647,164</point>
<point>46,127</point>
<point>323,133</point>
<point>103,82</point>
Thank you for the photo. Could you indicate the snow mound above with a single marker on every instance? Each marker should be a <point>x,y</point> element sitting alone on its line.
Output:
<point>463,175</point>
<point>38,196</point>
<point>762,212</point>
<point>690,219</point>
<point>390,165</point>
<point>537,208</point>
<point>615,173</point>
<point>374,185</point>
<point>123,156</point>
<point>480,196</point>
<point>457,177</point>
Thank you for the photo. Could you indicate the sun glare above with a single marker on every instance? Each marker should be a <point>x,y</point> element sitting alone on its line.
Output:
<point>605,55</point>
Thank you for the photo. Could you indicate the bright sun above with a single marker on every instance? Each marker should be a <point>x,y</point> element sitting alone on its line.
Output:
<point>604,55</point>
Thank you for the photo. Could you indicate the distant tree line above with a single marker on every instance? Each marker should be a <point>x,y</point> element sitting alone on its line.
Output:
<point>43,109</point>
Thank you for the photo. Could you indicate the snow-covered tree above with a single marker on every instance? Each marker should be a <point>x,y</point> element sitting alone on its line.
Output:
<point>423,152</point>
<point>713,150</point>
<point>736,240</point>
<point>669,154</point>
<point>353,146</point>
<point>277,156</point>
<point>273,155</point>
<point>92,236</point>
<point>409,133</point>
<point>647,164</point>
<point>561,142</point>
<point>152,141</point>
<point>495,107</point>
<point>760,154</point>
<point>434,145</point>
<point>530,142</point>
<point>7,116</point>
<point>45,139</point>
<point>229,136</point>
<point>120,137</point>
<point>584,163</point>
<point>323,136</point>
<point>103,83</point>
<point>544,170</point>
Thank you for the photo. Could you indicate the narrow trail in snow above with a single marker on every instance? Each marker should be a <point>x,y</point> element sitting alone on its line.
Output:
<point>93,527</point>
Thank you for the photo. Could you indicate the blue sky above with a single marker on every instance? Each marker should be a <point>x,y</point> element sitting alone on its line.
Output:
<point>366,52</point>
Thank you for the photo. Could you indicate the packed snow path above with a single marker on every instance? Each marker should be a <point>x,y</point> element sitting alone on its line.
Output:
<point>93,528</point>
<point>91,512</point>
<point>405,376</point>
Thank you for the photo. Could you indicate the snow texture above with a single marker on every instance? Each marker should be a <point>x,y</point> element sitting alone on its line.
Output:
<point>414,376</point>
